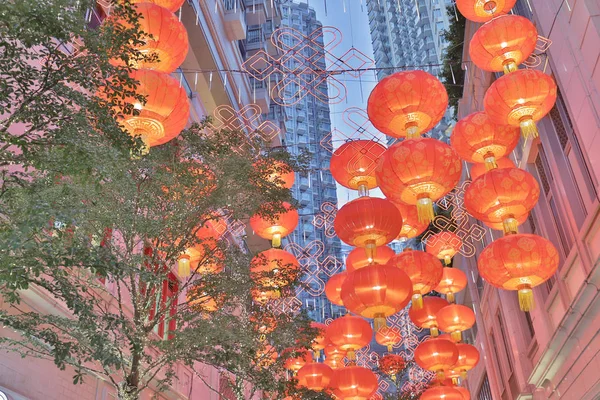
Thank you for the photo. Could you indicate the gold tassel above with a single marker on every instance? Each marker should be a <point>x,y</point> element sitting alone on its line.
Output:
<point>412,132</point>
<point>490,163</point>
<point>526,301</point>
<point>425,209</point>
<point>528,128</point>
<point>183,266</point>
<point>456,336</point>
<point>510,225</point>
<point>450,298</point>
<point>447,260</point>
<point>371,250</point>
<point>379,322</point>
<point>440,375</point>
<point>363,189</point>
<point>351,355</point>
<point>455,381</point>
<point>463,375</point>
<point>390,348</point>
<point>435,332</point>
<point>509,66</point>
<point>417,301</point>
<point>276,241</point>
<point>394,378</point>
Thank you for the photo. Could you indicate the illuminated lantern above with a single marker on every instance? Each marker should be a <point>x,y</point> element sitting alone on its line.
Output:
<point>165,113</point>
<point>503,43</point>
<point>315,376</point>
<point>478,140</point>
<point>499,226</point>
<point>296,359</point>
<point>518,262</point>
<point>355,383</point>
<point>349,333</point>
<point>333,288</point>
<point>407,104</point>
<point>441,393</point>
<point>521,98</point>
<point>468,357</point>
<point>263,296</point>
<point>436,355</point>
<point>199,300</point>
<point>423,269</point>
<point>264,323</point>
<point>392,365</point>
<point>171,5</point>
<point>455,318</point>
<point>358,258</point>
<point>419,172</point>
<point>411,226</point>
<point>479,169</point>
<point>426,316</point>
<point>274,268</point>
<point>333,352</point>
<point>444,245</point>
<point>353,165</point>
<point>464,392</point>
<point>276,226</point>
<point>166,42</point>
<point>319,342</point>
<point>502,195</point>
<point>453,281</point>
<point>388,337</point>
<point>266,356</point>
<point>277,172</point>
<point>484,10</point>
<point>376,292</point>
<point>335,363</point>
<point>368,222</point>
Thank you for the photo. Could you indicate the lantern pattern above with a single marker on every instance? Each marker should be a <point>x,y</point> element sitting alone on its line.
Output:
<point>444,245</point>
<point>479,169</point>
<point>441,393</point>
<point>368,222</point>
<point>355,383</point>
<point>388,337</point>
<point>503,43</point>
<point>392,365</point>
<point>436,355</point>
<point>407,104</point>
<point>358,258</point>
<point>296,359</point>
<point>277,226</point>
<point>519,262</point>
<point>423,269</point>
<point>419,172</point>
<point>349,333</point>
<point>453,281</point>
<point>171,5</point>
<point>455,318</point>
<point>411,226</point>
<point>502,195</point>
<point>333,288</point>
<point>520,99</point>
<point>315,376</point>
<point>353,165</point>
<point>468,358</point>
<point>484,10</point>
<point>478,140</point>
<point>426,316</point>
<point>274,268</point>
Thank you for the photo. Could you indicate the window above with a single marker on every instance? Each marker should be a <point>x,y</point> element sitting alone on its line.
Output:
<point>496,358</point>
<point>530,324</point>
<point>485,392</point>
<point>504,335</point>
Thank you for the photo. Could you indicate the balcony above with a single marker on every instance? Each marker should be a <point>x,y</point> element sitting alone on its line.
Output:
<point>256,12</point>
<point>235,19</point>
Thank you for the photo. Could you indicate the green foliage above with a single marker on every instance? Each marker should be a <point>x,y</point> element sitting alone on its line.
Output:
<point>452,68</point>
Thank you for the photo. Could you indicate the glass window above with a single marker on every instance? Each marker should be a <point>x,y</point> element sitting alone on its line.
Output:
<point>485,391</point>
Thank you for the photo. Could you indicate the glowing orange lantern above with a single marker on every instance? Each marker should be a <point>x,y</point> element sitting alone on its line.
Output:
<point>478,140</point>
<point>411,226</point>
<point>436,355</point>
<point>419,172</point>
<point>263,323</point>
<point>277,172</point>
<point>171,5</point>
<point>392,365</point>
<point>266,356</point>
<point>358,258</point>
<point>198,299</point>
<point>426,316</point>
<point>368,222</point>
<point>503,43</point>
<point>353,165</point>
<point>464,392</point>
<point>453,281</point>
<point>335,363</point>
<point>518,262</point>
<point>263,296</point>
<point>389,337</point>
<point>296,359</point>
<point>484,10</point>
<point>444,245</point>
<point>521,98</point>
<point>441,393</point>
<point>502,195</point>
<point>349,333</point>
<point>468,358</point>
<point>315,376</point>
<point>407,104</point>
<point>166,42</point>
<point>355,383</point>
<point>479,169</point>
<point>376,292</point>
<point>455,318</point>
<point>276,226</point>
<point>333,288</point>
<point>423,269</point>
<point>333,352</point>
<point>274,268</point>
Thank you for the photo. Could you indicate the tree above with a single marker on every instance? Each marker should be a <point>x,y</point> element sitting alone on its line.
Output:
<point>452,73</point>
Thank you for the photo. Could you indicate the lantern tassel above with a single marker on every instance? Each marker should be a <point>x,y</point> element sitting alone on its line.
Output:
<point>379,322</point>
<point>526,301</point>
<point>463,375</point>
<point>455,381</point>
<point>528,128</point>
<point>425,210</point>
<point>276,241</point>
<point>447,260</point>
<point>509,66</point>
<point>351,355</point>
<point>390,348</point>
<point>450,298</point>
<point>440,375</point>
<point>417,301</point>
<point>371,249</point>
<point>434,331</point>
<point>510,225</point>
<point>456,336</point>
<point>183,266</point>
<point>490,163</point>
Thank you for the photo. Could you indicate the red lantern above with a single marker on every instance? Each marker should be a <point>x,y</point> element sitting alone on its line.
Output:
<point>503,43</point>
<point>277,226</point>
<point>263,296</point>
<point>484,10</point>
<point>388,337</point>
<point>444,245</point>
<point>453,281</point>
<point>274,268</point>
<point>441,393</point>
<point>349,333</point>
<point>411,226</point>
<point>479,169</point>
<point>419,172</point>
<point>455,318</point>
<point>392,365</point>
<point>407,104</point>
<point>171,5</point>
<point>353,165</point>
<point>464,392</point>
<point>333,288</point>
<point>518,262</point>
<point>423,269</point>
<point>478,140</point>
<point>521,98</point>
<point>468,358</point>
<point>355,383</point>
<point>502,195</point>
<point>296,359</point>
<point>368,222</point>
<point>315,376</point>
<point>426,316</point>
<point>276,172</point>
<point>358,258</point>
<point>436,355</point>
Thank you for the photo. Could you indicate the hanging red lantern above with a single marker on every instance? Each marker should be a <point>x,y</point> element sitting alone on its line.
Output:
<point>468,358</point>
<point>419,172</point>
<point>358,258</point>
<point>407,104</point>
<point>315,376</point>
<point>484,10</point>
<point>519,262</point>
<point>436,355</point>
<point>333,352</point>
<point>520,99</point>
<point>263,296</point>
<point>353,165</point>
<point>423,269</point>
<point>276,226</point>
<point>388,336</point>
<point>392,365</point>
<point>376,292</point>
<point>444,245</point>
<point>296,359</point>
<point>333,288</point>
<point>274,268</point>
<point>276,172</point>
<point>368,222</point>
<point>479,169</point>
<point>171,5</point>
<point>441,393</point>
<point>411,226</point>
<point>453,281</point>
<point>355,383</point>
<point>478,140</point>
<point>349,333</point>
<point>502,195</point>
<point>426,316</point>
<point>455,318</point>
